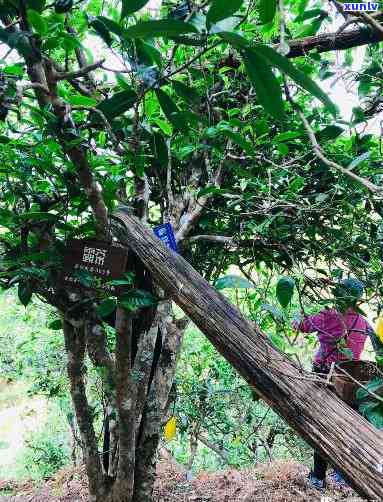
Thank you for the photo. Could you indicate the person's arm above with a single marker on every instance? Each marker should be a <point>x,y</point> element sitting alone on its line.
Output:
<point>310,323</point>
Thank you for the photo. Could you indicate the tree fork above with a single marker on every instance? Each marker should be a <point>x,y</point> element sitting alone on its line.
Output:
<point>342,436</point>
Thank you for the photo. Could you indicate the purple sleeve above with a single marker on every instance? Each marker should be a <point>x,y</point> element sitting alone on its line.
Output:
<point>310,323</point>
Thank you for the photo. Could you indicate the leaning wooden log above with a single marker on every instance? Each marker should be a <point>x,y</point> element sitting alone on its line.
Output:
<point>342,436</point>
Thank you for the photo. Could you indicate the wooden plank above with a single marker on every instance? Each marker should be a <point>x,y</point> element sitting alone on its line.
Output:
<point>316,413</point>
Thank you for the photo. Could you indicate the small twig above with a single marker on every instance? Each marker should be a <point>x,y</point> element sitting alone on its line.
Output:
<point>319,153</point>
<point>105,121</point>
<point>329,376</point>
<point>169,178</point>
<point>82,72</point>
<point>359,384</point>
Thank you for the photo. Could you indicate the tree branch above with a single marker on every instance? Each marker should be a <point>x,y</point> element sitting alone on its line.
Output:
<point>82,72</point>
<point>332,42</point>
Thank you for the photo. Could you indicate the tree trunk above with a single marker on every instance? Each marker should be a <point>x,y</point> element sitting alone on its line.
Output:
<point>75,347</point>
<point>342,436</point>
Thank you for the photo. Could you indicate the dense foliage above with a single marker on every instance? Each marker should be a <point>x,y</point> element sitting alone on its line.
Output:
<point>210,116</point>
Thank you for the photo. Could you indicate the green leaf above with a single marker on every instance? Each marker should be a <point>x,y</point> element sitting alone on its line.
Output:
<point>85,278</point>
<point>55,325</point>
<point>283,149</point>
<point>38,216</point>
<point>309,14</point>
<point>235,137</point>
<point>309,30</point>
<point>283,64</point>
<point>171,111</point>
<point>36,5</point>
<point>278,341</point>
<point>302,6</point>
<point>358,160</point>
<point>78,100</point>
<point>24,292</point>
<point>285,290</point>
<point>221,9</point>
<point>138,298</point>
<point>266,85</point>
<point>131,6</point>
<point>15,69</point>
<point>112,26</point>
<point>277,314</point>
<point>100,28</point>
<point>329,132</point>
<point>267,10</point>
<point>374,385</point>
<point>348,353</point>
<point>186,92</point>
<point>106,307</point>
<point>38,23</point>
<point>121,282</point>
<point>235,39</point>
<point>367,407</point>
<point>287,136</point>
<point>117,104</point>
<point>159,28</point>
<point>375,416</point>
<point>160,150</point>
<point>233,282</point>
<point>148,54</point>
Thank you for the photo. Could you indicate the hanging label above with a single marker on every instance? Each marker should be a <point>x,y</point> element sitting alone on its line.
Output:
<point>102,260</point>
<point>166,235</point>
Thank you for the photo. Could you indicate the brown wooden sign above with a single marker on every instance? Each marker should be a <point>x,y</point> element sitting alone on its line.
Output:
<point>104,261</point>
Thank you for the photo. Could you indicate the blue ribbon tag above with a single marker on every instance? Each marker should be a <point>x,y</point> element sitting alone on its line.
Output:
<point>166,235</point>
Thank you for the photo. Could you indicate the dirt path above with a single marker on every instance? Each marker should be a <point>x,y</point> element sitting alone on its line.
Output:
<point>278,482</point>
<point>19,415</point>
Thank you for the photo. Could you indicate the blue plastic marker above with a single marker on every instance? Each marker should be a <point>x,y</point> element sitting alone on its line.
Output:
<point>166,235</point>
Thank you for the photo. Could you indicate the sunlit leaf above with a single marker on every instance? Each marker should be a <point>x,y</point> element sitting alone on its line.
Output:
<point>233,282</point>
<point>38,23</point>
<point>78,100</point>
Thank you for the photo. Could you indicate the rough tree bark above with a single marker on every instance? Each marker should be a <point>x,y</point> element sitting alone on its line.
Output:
<point>75,343</point>
<point>333,42</point>
<point>320,417</point>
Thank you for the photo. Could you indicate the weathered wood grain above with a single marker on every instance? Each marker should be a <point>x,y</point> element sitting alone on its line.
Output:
<point>316,413</point>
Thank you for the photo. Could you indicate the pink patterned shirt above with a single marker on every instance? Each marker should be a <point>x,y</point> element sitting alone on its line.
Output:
<point>330,326</point>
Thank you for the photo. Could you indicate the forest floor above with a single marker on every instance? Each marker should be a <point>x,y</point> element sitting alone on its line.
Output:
<point>276,482</point>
